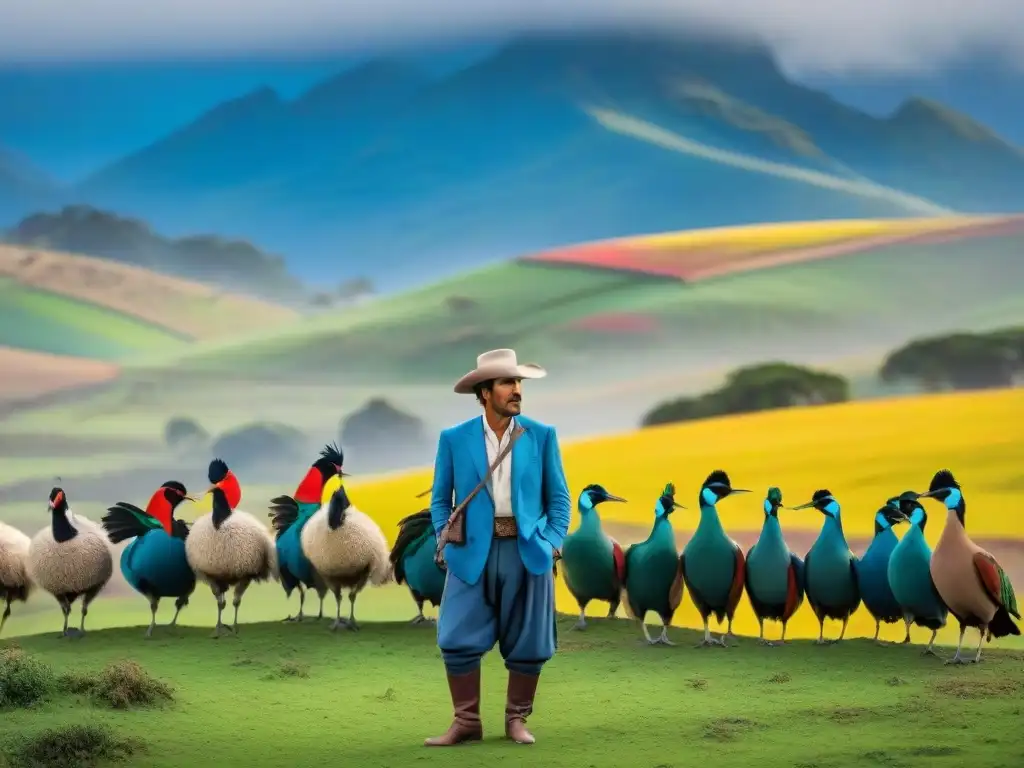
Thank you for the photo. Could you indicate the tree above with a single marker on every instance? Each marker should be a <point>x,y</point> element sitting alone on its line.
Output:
<point>755,388</point>
<point>183,432</point>
<point>264,446</point>
<point>955,361</point>
<point>381,436</point>
<point>460,304</point>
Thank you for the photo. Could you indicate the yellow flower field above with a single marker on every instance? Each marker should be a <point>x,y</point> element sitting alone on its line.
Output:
<point>798,234</point>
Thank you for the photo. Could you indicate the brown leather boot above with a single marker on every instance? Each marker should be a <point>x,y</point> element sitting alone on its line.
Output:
<point>465,690</point>
<point>519,706</point>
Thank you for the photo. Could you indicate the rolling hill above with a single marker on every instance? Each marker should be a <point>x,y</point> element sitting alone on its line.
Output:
<point>549,141</point>
<point>67,319</point>
<point>695,298</point>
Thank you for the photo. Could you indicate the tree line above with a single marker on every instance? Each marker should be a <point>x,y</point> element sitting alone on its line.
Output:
<point>949,362</point>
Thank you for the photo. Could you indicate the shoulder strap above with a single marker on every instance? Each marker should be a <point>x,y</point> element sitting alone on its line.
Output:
<point>490,471</point>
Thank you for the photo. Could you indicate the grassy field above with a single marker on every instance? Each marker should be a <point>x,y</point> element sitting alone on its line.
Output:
<point>604,700</point>
<point>570,314</point>
<point>863,452</point>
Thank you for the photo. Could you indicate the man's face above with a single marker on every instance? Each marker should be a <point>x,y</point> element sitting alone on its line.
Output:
<point>506,397</point>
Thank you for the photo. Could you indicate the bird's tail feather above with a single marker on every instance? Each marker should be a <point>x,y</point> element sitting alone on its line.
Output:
<point>284,511</point>
<point>1002,625</point>
<point>126,521</point>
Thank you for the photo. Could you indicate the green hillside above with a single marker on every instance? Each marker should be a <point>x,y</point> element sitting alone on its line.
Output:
<point>46,322</point>
<point>557,311</point>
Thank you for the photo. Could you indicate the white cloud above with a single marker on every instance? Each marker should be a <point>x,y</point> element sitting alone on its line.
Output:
<point>808,36</point>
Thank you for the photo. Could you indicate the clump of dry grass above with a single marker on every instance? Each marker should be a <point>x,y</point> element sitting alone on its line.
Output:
<point>73,746</point>
<point>24,679</point>
<point>122,684</point>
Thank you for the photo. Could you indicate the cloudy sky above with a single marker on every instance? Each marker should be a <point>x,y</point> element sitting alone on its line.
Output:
<point>810,36</point>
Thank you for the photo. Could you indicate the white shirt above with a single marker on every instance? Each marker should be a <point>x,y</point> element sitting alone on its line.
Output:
<point>500,483</point>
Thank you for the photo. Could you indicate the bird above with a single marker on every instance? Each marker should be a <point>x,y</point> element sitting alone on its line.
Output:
<point>593,562</point>
<point>412,559</point>
<point>290,515</point>
<point>910,575</point>
<point>970,582</point>
<point>713,564</point>
<point>228,547</point>
<point>873,571</point>
<point>774,575</point>
<point>70,559</point>
<point>830,573</point>
<point>653,579</point>
<point>348,549</point>
<point>15,582</point>
<point>154,563</point>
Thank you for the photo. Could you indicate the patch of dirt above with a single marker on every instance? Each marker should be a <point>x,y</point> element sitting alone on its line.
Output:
<point>729,728</point>
<point>31,374</point>
<point>976,689</point>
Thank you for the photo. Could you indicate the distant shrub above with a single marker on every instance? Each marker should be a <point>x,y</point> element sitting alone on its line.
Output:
<point>24,679</point>
<point>121,685</point>
<point>261,445</point>
<point>958,361</point>
<point>73,746</point>
<point>460,304</point>
<point>755,388</point>
<point>183,432</point>
<point>383,436</point>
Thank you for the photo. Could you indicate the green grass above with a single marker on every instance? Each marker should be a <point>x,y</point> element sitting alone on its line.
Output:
<point>967,284</point>
<point>45,322</point>
<point>301,695</point>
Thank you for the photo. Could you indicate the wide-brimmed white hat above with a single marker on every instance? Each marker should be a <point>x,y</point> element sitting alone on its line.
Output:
<point>498,364</point>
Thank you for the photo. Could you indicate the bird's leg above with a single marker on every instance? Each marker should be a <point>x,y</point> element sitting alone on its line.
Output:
<point>821,631</point>
<point>981,641</point>
<point>338,621</point>
<point>352,610</point>
<point>647,634</point>
<point>240,588</point>
<point>302,601</point>
<point>180,603</point>
<point>728,632</point>
<point>87,599</point>
<point>419,618</point>
<point>957,659</point>
<point>65,608</point>
<point>663,637</point>
<point>761,637</point>
<point>7,614</point>
<point>842,632</point>
<point>220,628</point>
<point>581,623</point>
<point>907,620</point>
<point>613,611</point>
<point>708,640</point>
<point>878,628</point>
<point>930,650</point>
<point>320,615</point>
<point>783,640</point>
<point>154,603</point>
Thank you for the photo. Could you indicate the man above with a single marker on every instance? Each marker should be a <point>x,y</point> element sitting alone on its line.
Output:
<point>499,587</point>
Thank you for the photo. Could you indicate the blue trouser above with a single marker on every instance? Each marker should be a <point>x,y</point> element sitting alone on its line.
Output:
<point>508,605</point>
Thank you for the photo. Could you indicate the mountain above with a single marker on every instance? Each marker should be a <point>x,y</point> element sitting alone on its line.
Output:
<point>23,187</point>
<point>548,141</point>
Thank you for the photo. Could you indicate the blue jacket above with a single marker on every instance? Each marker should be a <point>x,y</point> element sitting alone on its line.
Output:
<point>540,496</point>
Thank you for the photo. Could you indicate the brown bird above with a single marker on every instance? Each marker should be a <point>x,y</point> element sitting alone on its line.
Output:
<point>968,579</point>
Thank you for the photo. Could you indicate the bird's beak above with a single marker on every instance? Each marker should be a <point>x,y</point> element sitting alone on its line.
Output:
<point>610,497</point>
<point>928,494</point>
<point>424,493</point>
<point>808,505</point>
<point>677,506</point>
<point>738,490</point>
<point>191,498</point>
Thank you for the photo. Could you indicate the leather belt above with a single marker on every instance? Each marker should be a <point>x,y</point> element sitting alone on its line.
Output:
<point>505,528</point>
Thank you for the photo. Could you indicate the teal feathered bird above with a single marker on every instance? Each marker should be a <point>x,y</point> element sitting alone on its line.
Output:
<point>290,515</point>
<point>593,562</point>
<point>909,572</point>
<point>154,563</point>
<point>873,571</point>
<point>775,576</point>
<point>653,576</point>
<point>713,565</point>
<point>830,573</point>
<point>412,559</point>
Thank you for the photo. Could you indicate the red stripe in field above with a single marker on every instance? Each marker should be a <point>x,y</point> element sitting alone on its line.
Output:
<point>616,322</point>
